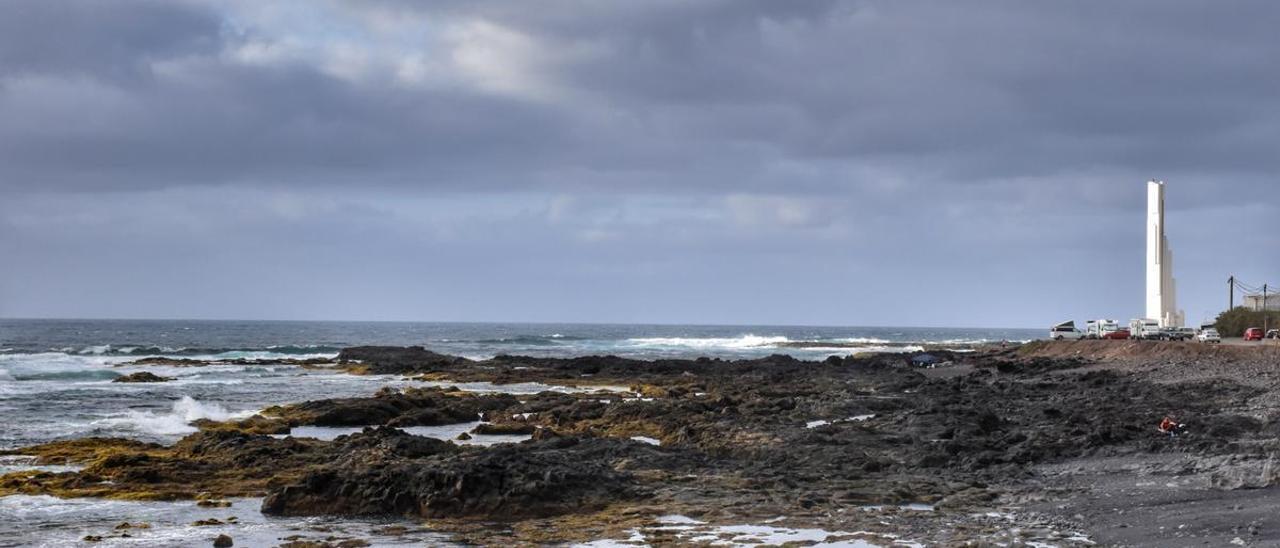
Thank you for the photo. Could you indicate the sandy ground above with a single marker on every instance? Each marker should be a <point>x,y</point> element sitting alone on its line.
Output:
<point>1161,500</point>
<point>1174,499</point>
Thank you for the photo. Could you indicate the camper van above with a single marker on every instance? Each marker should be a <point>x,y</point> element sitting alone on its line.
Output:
<point>1145,329</point>
<point>1103,329</point>
<point>1065,331</point>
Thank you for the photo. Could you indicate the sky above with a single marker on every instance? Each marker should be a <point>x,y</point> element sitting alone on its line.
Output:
<point>920,163</point>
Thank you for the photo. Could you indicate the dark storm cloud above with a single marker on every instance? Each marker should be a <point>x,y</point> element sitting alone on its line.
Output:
<point>732,161</point>
<point>110,40</point>
<point>148,94</point>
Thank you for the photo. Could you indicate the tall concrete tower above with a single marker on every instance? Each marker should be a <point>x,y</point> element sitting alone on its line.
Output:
<point>1162,300</point>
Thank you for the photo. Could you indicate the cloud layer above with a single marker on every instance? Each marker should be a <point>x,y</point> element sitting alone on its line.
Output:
<point>881,162</point>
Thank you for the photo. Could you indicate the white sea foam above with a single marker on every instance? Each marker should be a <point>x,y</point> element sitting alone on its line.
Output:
<point>744,341</point>
<point>174,423</point>
<point>265,355</point>
<point>862,340</point>
<point>22,463</point>
<point>27,520</point>
<point>96,349</point>
<point>56,366</point>
<point>686,530</point>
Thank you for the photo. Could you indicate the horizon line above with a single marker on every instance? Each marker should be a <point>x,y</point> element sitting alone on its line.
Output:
<point>499,322</point>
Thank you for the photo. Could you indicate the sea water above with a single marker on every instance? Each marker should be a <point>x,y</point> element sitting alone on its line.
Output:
<point>55,383</point>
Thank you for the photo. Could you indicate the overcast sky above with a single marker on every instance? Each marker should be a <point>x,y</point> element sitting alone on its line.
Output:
<point>731,161</point>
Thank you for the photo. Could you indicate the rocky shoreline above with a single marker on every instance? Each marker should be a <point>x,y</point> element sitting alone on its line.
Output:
<point>1025,444</point>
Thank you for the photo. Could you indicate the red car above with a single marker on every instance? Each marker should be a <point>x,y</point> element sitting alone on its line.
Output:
<point>1119,334</point>
<point>1253,334</point>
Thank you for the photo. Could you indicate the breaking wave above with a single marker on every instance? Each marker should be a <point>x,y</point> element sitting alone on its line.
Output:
<point>288,350</point>
<point>63,375</point>
<point>174,423</point>
<point>555,339</point>
<point>744,341</point>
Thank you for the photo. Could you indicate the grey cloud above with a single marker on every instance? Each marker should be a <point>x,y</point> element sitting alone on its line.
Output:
<point>775,161</point>
<point>716,91</point>
<point>110,40</point>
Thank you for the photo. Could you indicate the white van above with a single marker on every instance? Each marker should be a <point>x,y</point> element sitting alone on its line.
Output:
<point>1145,329</point>
<point>1065,331</point>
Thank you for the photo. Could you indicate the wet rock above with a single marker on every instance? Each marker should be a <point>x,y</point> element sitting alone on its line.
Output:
<point>142,376</point>
<point>502,482</point>
<point>545,434</point>
<point>408,407</point>
<point>223,541</point>
<point>383,360</point>
<point>256,424</point>
<point>504,429</point>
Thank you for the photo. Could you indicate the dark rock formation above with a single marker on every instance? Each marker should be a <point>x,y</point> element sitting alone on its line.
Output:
<point>504,482</point>
<point>409,407</point>
<point>383,360</point>
<point>142,376</point>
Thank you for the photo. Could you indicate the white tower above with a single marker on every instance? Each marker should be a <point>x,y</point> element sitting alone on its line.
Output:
<point>1162,303</point>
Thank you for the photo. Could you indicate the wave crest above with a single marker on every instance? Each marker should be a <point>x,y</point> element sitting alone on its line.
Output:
<point>743,341</point>
<point>174,423</point>
<point>286,350</point>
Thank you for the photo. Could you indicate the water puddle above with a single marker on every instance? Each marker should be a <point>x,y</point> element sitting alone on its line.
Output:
<point>684,530</point>
<point>449,432</point>
<point>23,463</point>
<point>856,418</point>
<point>526,388</point>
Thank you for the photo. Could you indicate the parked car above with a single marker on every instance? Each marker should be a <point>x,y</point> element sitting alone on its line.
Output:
<point>1253,334</point>
<point>1178,333</point>
<point>1117,335</point>
<point>1273,334</point>
<point>1065,331</point>
<point>1209,336</point>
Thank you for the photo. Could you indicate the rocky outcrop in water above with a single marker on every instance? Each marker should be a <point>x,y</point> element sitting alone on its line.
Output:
<point>142,376</point>
<point>394,407</point>
<point>383,360</point>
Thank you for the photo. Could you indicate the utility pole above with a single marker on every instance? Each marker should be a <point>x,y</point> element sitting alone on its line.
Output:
<point>1265,315</point>
<point>1231,293</point>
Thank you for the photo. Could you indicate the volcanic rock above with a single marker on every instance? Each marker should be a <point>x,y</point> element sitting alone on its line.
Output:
<point>142,376</point>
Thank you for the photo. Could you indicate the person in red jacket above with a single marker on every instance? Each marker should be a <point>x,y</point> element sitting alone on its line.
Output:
<point>1169,426</point>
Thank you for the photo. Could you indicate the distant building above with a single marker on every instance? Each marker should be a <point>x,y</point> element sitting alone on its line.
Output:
<point>1162,288</point>
<point>1254,302</point>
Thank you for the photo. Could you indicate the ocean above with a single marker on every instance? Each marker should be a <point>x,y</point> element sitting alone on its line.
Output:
<point>55,384</point>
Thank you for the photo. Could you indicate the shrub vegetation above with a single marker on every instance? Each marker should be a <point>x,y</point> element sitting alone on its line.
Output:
<point>1232,323</point>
